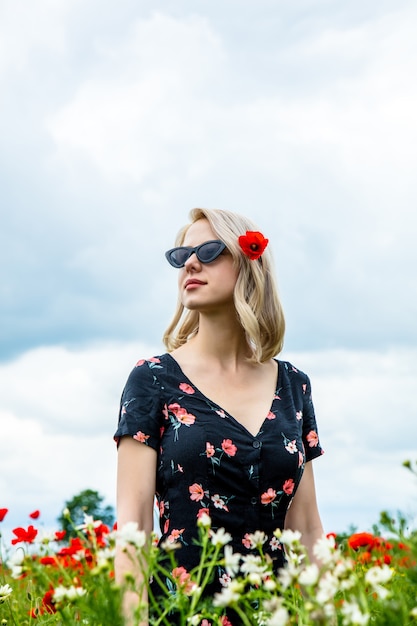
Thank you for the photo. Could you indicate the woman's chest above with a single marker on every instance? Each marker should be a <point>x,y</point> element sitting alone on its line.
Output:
<point>194,429</point>
<point>246,400</point>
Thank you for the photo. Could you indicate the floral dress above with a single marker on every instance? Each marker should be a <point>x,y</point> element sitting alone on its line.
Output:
<point>208,462</point>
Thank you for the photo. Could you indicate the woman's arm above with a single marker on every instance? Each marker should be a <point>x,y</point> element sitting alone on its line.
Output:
<point>136,477</point>
<point>303,514</point>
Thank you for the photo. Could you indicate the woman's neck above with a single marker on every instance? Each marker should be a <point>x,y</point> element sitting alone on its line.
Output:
<point>224,343</point>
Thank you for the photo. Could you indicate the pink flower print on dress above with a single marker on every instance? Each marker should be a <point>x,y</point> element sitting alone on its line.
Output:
<point>271,416</point>
<point>229,447</point>
<point>304,388</point>
<point>299,415</point>
<point>268,496</point>
<point>219,503</point>
<point>300,458</point>
<point>288,486</point>
<point>209,450</point>
<point>313,439</point>
<point>140,436</point>
<point>196,491</point>
<point>186,388</point>
<point>221,413</point>
<point>203,511</point>
<point>175,535</point>
<point>153,359</point>
<point>275,544</point>
<point>291,447</point>
<point>181,414</point>
<point>225,581</point>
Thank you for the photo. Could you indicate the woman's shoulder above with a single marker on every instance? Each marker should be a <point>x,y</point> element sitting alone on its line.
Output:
<point>293,373</point>
<point>149,368</point>
<point>155,362</point>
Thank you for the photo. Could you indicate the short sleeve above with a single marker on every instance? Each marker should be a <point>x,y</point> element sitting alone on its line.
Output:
<point>311,440</point>
<point>140,414</point>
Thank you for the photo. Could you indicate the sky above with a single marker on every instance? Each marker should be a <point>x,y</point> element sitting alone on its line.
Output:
<point>115,121</point>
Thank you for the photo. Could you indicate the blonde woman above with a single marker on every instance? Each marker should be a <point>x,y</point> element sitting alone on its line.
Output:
<point>218,424</point>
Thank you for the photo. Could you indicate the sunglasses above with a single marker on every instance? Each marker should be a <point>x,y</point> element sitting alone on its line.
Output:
<point>206,253</point>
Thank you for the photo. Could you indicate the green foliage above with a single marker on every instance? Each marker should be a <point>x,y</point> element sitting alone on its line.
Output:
<point>87,502</point>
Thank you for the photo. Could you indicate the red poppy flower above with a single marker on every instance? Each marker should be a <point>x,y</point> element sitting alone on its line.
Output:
<point>75,546</point>
<point>364,557</point>
<point>3,513</point>
<point>100,532</point>
<point>34,514</point>
<point>24,535</point>
<point>60,535</point>
<point>48,603</point>
<point>358,540</point>
<point>253,244</point>
<point>47,560</point>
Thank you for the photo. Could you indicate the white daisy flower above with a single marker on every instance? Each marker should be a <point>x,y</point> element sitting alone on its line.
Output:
<point>130,534</point>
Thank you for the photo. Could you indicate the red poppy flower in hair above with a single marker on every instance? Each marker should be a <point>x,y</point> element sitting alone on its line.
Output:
<point>253,244</point>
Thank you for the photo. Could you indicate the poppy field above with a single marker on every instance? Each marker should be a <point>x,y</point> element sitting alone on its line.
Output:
<point>364,578</point>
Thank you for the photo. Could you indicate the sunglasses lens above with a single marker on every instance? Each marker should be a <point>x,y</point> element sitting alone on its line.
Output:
<point>210,251</point>
<point>178,256</point>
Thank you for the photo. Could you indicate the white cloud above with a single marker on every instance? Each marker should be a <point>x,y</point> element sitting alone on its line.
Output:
<point>141,115</point>
<point>68,391</point>
<point>152,106</point>
<point>41,469</point>
<point>26,28</point>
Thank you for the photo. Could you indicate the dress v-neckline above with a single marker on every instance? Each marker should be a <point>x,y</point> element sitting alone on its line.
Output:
<point>223,410</point>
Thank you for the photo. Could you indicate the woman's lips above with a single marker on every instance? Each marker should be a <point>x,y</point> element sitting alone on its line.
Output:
<point>191,283</point>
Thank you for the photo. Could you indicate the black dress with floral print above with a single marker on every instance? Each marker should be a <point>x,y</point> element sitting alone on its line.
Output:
<point>208,462</point>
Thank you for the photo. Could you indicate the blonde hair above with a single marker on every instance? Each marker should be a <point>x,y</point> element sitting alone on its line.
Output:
<point>256,298</point>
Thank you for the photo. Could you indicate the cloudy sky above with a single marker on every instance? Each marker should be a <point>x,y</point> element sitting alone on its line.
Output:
<point>115,120</point>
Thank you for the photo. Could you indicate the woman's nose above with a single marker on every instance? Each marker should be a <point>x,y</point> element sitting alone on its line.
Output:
<point>192,262</point>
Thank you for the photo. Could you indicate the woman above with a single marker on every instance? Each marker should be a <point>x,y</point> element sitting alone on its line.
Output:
<point>217,425</point>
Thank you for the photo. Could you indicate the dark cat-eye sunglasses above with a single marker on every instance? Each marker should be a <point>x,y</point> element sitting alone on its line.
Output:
<point>206,253</point>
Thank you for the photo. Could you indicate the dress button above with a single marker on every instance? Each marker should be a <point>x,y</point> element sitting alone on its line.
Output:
<point>256,444</point>
<point>253,500</point>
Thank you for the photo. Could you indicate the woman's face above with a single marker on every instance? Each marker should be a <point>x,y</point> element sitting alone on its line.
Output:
<point>206,286</point>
